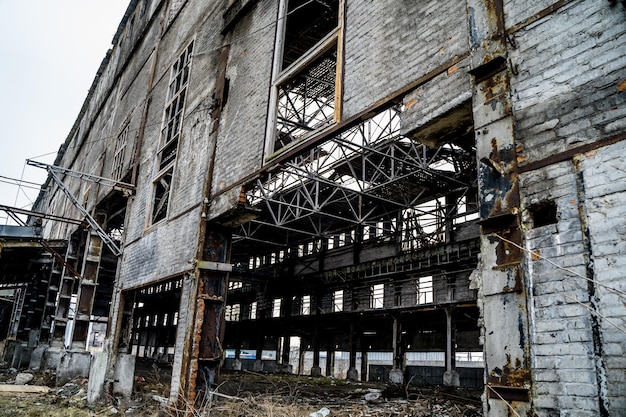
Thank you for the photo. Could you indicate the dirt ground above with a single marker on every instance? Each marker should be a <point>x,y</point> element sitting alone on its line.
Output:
<point>247,394</point>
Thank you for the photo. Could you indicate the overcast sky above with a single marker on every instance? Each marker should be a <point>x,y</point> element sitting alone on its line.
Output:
<point>49,53</point>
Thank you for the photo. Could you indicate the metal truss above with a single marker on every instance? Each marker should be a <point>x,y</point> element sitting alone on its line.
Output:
<point>368,176</point>
<point>307,101</point>
<point>54,174</point>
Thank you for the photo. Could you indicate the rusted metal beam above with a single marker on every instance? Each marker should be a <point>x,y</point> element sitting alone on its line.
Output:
<point>538,16</point>
<point>40,215</point>
<point>382,104</point>
<point>569,154</point>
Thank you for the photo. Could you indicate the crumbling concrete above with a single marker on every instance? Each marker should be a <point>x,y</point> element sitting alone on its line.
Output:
<point>73,365</point>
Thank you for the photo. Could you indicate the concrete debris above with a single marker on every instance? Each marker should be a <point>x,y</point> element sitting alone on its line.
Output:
<point>23,378</point>
<point>322,412</point>
<point>372,396</point>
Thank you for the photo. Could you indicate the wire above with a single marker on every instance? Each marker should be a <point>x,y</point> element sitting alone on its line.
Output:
<point>536,254</point>
<point>159,121</point>
<point>505,401</point>
<point>574,299</point>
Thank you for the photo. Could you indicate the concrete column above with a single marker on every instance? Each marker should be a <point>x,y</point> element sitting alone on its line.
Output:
<point>451,376</point>
<point>330,356</point>
<point>396,375</point>
<point>364,365</point>
<point>353,374</point>
<point>500,281</point>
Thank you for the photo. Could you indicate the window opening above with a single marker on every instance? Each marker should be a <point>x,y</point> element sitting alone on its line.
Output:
<point>120,153</point>
<point>544,214</point>
<point>253,310</point>
<point>338,301</point>
<point>305,80</point>
<point>305,308</point>
<point>276,307</point>
<point>232,312</point>
<point>162,188</point>
<point>170,132</point>
<point>424,290</point>
<point>377,296</point>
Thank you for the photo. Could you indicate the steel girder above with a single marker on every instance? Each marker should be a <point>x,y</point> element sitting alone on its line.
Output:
<point>360,177</point>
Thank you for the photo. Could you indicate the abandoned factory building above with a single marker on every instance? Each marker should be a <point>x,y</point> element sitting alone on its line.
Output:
<point>424,192</point>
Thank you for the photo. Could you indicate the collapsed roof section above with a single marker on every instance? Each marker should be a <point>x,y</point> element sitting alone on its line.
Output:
<point>369,177</point>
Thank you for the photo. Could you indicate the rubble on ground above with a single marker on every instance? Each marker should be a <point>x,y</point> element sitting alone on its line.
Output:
<point>247,394</point>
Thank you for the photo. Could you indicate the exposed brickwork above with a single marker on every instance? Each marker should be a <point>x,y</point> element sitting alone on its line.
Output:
<point>243,123</point>
<point>389,44</point>
<point>562,349</point>
<point>605,187</point>
<point>570,66</point>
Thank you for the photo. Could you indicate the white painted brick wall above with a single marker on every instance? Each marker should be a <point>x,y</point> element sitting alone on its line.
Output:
<point>389,44</point>
<point>605,186</point>
<point>561,337</point>
<point>570,65</point>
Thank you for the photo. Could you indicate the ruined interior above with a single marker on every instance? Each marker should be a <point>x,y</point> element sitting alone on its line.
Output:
<point>366,192</point>
<point>363,244</point>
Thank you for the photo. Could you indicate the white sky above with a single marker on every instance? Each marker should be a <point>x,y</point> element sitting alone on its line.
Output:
<point>50,51</point>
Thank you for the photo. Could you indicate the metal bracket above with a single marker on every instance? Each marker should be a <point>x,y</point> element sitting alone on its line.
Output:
<point>92,222</point>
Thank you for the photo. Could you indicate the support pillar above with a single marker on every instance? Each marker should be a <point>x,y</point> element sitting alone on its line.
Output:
<point>258,362</point>
<point>208,327</point>
<point>364,365</point>
<point>499,277</point>
<point>396,375</point>
<point>353,374</point>
<point>330,356</point>
<point>451,376</point>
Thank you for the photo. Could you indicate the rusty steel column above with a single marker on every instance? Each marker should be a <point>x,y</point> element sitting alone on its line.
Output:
<point>206,340</point>
<point>502,293</point>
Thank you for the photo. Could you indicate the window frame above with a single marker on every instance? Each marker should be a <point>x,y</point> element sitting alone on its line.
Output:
<point>280,76</point>
<point>425,293</point>
<point>177,89</point>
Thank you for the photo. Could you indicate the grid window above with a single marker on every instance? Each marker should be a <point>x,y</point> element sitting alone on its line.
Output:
<point>170,132</point>
<point>338,301</point>
<point>377,296</point>
<point>232,312</point>
<point>120,153</point>
<point>253,310</point>
<point>276,307</point>
<point>424,290</point>
<point>305,308</point>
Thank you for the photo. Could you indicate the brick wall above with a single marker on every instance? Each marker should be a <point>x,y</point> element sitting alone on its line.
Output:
<point>243,121</point>
<point>605,206</point>
<point>566,93</point>
<point>570,67</point>
<point>564,372</point>
<point>390,44</point>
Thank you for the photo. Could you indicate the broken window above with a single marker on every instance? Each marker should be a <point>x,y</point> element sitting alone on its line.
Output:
<point>162,187</point>
<point>338,301</point>
<point>424,290</point>
<point>305,307</point>
<point>120,153</point>
<point>170,132</point>
<point>377,296</point>
<point>174,107</point>
<point>276,307</point>
<point>305,77</point>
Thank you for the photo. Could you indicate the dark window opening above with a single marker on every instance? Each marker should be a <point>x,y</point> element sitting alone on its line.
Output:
<point>308,22</point>
<point>162,188</point>
<point>544,214</point>
<point>307,101</point>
